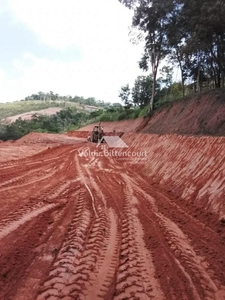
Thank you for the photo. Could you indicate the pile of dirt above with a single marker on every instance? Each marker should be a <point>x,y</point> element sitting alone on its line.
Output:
<point>116,126</point>
<point>203,114</point>
<point>78,133</point>
<point>86,134</point>
<point>47,138</point>
<point>10,151</point>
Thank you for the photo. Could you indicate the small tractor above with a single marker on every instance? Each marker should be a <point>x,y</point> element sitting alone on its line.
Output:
<point>97,134</point>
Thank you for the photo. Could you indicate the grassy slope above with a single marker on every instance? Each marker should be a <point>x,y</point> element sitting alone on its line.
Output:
<point>19,107</point>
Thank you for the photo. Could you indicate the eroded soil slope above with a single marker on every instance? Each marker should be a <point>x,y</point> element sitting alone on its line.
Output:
<point>203,114</point>
<point>79,226</point>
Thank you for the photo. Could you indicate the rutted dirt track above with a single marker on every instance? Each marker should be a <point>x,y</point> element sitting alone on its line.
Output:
<point>79,227</point>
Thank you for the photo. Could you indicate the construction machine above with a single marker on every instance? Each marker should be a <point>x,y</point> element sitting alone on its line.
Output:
<point>97,134</point>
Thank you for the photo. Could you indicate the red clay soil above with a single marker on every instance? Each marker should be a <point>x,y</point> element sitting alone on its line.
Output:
<point>200,115</point>
<point>110,128</point>
<point>118,126</point>
<point>28,115</point>
<point>80,222</point>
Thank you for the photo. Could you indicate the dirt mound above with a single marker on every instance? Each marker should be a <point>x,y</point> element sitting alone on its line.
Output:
<point>117,126</point>
<point>46,138</point>
<point>10,151</point>
<point>86,134</point>
<point>78,133</point>
<point>201,115</point>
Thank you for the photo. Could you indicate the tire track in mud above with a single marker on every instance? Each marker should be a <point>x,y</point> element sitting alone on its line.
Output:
<point>43,177</point>
<point>46,250</point>
<point>207,241</point>
<point>20,252</point>
<point>197,272</point>
<point>60,280</point>
<point>82,253</point>
<point>26,180</point>
<point>199,267</point>
<point>134,263</point>
<point>97,249</point>
<point>173,281</point>
<point>117,242</point>
<point>18,218</point>
<point>27,173</point>
<point>50,154</point>
<point>20,178</point>
<point>104,274</point>
<point>136,275</point>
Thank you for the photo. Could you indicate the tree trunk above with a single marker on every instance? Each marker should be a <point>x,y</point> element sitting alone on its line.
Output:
<point>182,75</point>
<point>198,80</point>
<point>155,64</point>
<point>219,79</point>
<point>153,94</point>
<point>222,79</point>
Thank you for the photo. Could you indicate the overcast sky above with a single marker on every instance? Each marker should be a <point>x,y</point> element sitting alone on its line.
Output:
<point>70,47</point>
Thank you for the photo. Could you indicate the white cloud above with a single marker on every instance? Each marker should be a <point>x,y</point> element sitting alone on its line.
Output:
<point>84,78</point>
<point>73,22</point>
<point>99,29</point>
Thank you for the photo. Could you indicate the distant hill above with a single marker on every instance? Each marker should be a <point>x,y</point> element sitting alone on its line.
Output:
<point>28,115</point>
<point>21,107</point>
<point>9,112</point>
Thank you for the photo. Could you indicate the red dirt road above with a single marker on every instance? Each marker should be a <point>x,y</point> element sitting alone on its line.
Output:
<point>74,226</point>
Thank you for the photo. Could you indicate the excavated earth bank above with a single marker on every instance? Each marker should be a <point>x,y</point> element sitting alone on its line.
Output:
<point>203,114</point>
<point>79,221</point>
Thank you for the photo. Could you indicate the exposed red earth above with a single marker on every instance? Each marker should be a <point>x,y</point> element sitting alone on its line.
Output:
<point>203,114</point>
<point>28,115</point>
<point>79,221</point>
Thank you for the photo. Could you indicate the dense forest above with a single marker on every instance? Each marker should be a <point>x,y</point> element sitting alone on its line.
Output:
<point>188,33</point>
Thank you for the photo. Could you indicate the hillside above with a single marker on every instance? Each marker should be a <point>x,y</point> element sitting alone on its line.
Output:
<point>203,114</point>
<point>9,112</point>
<point>21,107</point>
<point>28,115</point>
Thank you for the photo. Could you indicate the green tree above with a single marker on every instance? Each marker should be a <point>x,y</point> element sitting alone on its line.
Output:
<point>152,18</point>
<point>166,76</point>
<point>189,32</point>
<point>142,90</point>
<point>125,94</point>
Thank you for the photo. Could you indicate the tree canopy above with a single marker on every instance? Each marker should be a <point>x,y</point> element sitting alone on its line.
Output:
<point>191,33</point>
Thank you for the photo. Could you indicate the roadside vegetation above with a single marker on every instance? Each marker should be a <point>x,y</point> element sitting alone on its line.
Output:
<point>73,114</point>
<point>65,120</point>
